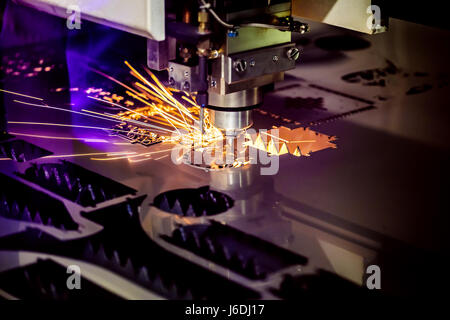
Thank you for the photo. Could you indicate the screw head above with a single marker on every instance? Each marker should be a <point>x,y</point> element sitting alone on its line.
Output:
<point>171,81</point>
<point>252,62</point>
<point>275,58</point>
<point>186,74</point>
<point>186,86</point>
<point>240,65</point>
<point>213,83</point>
<point>293,54</point>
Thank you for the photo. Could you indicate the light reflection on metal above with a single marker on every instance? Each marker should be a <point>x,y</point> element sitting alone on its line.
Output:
<point>298,142</point>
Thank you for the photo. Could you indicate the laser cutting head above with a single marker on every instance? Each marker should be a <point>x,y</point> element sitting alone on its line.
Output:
<point>247,47</point>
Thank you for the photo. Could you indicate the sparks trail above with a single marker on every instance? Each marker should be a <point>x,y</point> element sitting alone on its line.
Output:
<point>108,154</point>
<point>72,126</point>
<point>73,155</point>
<point>124,121</point>
<point>132,111</point>
<point>130,157</point>
<point>59,138</point>
<point>159,100</point>
<point>20,94</point>
<point>66,110</point>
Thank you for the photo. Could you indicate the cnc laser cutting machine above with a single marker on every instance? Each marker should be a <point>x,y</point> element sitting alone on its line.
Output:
<point>346,100</point>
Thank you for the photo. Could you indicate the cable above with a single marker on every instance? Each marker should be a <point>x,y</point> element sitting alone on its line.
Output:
<point>267,26</point>
<point>207,6</point>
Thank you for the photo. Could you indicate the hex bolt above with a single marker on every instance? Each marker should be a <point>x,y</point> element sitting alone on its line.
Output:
<point>240,65</point>
<point>293,54</point>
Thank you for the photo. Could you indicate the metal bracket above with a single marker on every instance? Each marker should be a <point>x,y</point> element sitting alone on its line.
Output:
<point>257,63</point>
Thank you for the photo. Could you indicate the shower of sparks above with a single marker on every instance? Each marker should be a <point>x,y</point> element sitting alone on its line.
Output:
<point>156,114</point>
<point>163,115</point>
<point>176,111</point>
<point>161,106</point>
